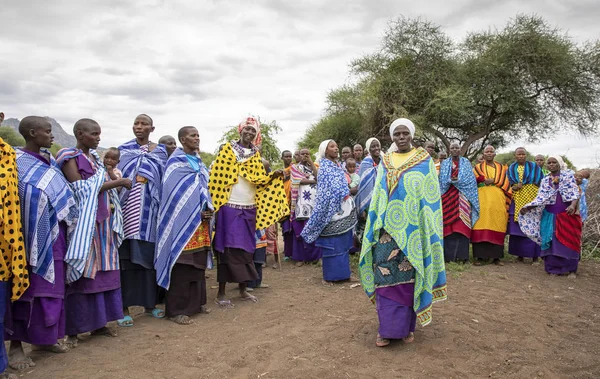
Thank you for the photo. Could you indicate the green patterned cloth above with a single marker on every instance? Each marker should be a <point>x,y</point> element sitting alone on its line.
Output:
<point>407,204</point>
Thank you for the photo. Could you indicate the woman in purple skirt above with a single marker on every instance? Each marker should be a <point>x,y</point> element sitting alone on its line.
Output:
<point>551,219</point>
<point>48,208</point>
<point>94,299</point>
<point>245,200</point>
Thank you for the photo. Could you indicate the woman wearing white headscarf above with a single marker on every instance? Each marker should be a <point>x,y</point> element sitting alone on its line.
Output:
<point>402,258</point>
<point>331,225</point>
<point>551,220</point>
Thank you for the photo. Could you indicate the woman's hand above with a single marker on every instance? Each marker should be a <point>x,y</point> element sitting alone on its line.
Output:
<point>278,174</point>
<point>489,182</point>
<point>524,210</point>
<point>571,209</point>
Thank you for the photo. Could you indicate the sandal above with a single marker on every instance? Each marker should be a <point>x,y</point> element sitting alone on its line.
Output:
<point>224,303</point>
<point>156,313</point>
<point>381,342</point>
<point>182,320</point>
<point>125,322</point>
<point>251,298</point>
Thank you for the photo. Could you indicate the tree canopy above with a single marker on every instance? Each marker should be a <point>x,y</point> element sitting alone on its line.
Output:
<point>11,137</point>
<point>526,80</point>
<point>269,149</point>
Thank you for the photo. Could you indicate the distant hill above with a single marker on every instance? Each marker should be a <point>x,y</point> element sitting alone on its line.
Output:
<point>61,137</point>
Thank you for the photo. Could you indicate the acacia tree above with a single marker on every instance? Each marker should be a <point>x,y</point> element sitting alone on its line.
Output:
<point>269,149</point>
<point>527,80</point>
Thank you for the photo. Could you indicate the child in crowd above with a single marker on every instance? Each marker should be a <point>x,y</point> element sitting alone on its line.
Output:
<point>112,157</point>
<point>582,177</point>
<point>354,177</point>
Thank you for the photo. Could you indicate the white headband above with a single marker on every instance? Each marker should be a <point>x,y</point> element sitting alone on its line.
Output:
<point>402,121</point>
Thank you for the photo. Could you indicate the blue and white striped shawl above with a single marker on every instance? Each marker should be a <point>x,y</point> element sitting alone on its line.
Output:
<point>86,194</point>
<point>532,173</point>
<point>150,165</point>
<point>184,196</point>
<point>368,173</point>
<point>46,199</point>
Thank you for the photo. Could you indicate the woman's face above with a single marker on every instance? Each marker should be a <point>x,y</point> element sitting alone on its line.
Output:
<point>90,136</point>
<point>247,135</point>
<point>455,150</point>
<point>142,127</point>
<point>332,151</point>
<point>521,156</point>
<point>402,138</point>
<point>489,153</point>
<point>553,165</point>
<point>375,149</point>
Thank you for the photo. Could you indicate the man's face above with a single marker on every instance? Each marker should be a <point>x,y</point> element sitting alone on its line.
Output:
<point>287,158</point>
<point>358,152</point>
<point>346,153</point>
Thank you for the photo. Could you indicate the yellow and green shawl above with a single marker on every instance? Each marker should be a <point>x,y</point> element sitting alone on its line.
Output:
<point>271,202</point>
<point>407,204</point>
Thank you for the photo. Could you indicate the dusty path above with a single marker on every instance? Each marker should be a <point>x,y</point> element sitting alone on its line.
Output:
<point>499,322</point>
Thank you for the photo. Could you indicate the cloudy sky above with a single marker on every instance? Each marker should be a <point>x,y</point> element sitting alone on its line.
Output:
<point>211,63</point>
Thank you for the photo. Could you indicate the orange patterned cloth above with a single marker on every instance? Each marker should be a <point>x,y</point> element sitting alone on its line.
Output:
<point>200,238</point>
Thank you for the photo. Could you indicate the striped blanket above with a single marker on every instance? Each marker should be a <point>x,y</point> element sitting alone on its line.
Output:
<point>465,183</point>
<point>46,200</point>
<point>138,162</point>
<point>94,244</point>
<point>184,197</point>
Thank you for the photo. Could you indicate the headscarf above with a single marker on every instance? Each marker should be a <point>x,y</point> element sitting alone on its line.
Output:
<point>253,122</point>
<point>369,142</point>
<point>561,162</point>
<point>400,121</point>
<point>322,149</point>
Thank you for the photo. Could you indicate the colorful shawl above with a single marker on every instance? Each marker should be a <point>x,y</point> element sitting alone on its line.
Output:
<point>149,165</point>
<point>46,199</point>
<point>271,205</point>
<point>368,172</point>
<point>12,259</point>
<point>466,183</point>
<point>500,178</point>
<point>332,188</point>
<point>303,195</point>
<point>529,175</point>
<point>569,191</point>
<point>93,249</point>
<point>406,204</point>
<point>532,175</point>
<point>184,197</point>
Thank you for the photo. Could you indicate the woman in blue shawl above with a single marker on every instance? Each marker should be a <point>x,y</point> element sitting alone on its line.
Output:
<point>331,225</point>
<point>402,258</point>
<point>460,204</point>
<point>368,172</point>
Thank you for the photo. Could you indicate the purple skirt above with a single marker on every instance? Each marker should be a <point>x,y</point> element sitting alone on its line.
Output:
<point>302,251</point>
<point>38,317</point>
<point>559,259</point>
<point>4,304</point>
<point>235,229</point>
<point>397,318</point>
<point>91,304</point>
<point>518,243</point>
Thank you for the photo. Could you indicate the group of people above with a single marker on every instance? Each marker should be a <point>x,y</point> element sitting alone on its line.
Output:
<point>539,205</point>
<point>84,238</point>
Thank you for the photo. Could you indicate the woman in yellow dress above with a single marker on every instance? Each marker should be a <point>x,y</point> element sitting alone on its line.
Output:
<point>495,197</point>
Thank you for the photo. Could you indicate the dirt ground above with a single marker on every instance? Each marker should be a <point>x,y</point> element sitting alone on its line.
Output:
<point>499,322</point>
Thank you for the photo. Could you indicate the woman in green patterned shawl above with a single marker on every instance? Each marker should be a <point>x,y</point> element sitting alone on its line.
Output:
<point>402,258</point>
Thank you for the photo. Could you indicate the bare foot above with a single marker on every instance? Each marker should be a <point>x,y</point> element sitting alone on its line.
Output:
<point>247,297</point>
<point>182,320</point>
<point>105,331</point>
<point>275,266</point>
<point>326,283</point>
<point>204,310</point>
<point>57,348</point>
<point>17,360</point>
<point>410,338</point>
<point>71,341</point>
